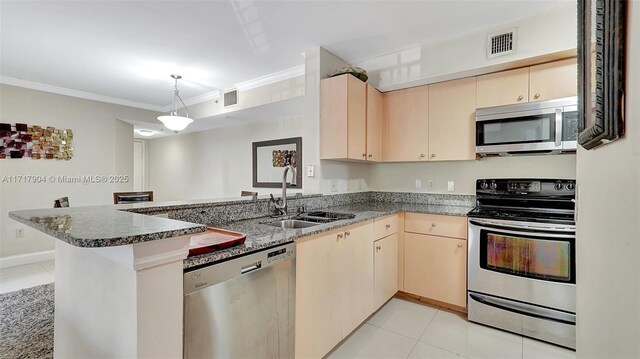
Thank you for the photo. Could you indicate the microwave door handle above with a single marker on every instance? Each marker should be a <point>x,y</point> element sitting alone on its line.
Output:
<point>558,127</point>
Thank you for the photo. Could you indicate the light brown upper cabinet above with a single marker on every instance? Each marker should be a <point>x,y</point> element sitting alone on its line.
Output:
<point>536,83</point>
<point>343,103</point>
<point>349,121</point>
<point>452,109</point>
<point>553,80</point>
<point>406,125</point>
<point>374,124</point>
<point>503,88</point>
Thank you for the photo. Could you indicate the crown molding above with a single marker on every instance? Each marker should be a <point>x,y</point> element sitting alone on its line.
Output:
<point>75,93</point>
<point>207,96</point>
<point>271,78</point>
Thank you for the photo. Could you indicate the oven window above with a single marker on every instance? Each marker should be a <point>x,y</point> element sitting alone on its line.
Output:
<point>530,129</point>
<point>528,257</point>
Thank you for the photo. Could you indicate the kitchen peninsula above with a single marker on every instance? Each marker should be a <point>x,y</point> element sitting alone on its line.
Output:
<point>119,269</point>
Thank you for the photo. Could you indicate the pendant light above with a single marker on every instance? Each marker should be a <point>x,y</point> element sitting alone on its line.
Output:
<point>173,121</point>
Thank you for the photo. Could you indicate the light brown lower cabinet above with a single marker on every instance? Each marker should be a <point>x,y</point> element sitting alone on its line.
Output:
<point>385,272</point>
<point>436,268</point>
<point>334,287</point>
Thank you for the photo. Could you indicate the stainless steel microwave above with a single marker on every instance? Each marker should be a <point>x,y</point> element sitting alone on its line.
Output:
<point>543,127</point>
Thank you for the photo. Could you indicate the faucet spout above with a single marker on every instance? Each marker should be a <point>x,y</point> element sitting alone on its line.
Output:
<point>283,206</point>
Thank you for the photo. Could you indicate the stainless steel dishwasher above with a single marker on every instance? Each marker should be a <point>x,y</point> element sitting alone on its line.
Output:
<point>242,308</point>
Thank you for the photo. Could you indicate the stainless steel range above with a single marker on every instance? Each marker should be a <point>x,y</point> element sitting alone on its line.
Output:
<point>522,275</point>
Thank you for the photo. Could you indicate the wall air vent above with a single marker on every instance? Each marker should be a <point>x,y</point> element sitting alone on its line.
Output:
<point>230,98</point>
<point>501,43</point>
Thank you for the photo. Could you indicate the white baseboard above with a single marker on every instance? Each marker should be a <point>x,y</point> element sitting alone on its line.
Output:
<point>12,261</point>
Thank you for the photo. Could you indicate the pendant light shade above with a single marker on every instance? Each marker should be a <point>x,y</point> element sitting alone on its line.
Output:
<point>174,121</point>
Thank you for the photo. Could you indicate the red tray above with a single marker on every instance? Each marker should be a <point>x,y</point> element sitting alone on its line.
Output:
<point>214,239</point>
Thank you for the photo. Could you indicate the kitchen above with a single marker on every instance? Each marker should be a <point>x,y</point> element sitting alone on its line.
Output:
<point>390,155</point>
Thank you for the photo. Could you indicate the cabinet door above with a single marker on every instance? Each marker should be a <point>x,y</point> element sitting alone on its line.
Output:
<point>374,124</point>
<point>452,110</point>
<point>318,292</point>
<point>343,118</point>
<point>407,124</point>
<point>435,268</point>
<point>357,275</point>
<point>357,119</point>
<point>553,80</point>
<point>503,88</point>
<point>385,273</point>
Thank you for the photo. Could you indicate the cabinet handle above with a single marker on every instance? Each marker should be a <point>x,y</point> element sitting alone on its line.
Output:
<point>388,226</point>
<point>340,235</point>
<point>433,224</point>
<point>422,155</point>
<point>520,98</point>
<point>364,155</point>
<point>370,155</point>
<point>347,233</point>
<point>433,155</point>
<point>378,248</point>
<point>536,96</point>
<point>460,245</point>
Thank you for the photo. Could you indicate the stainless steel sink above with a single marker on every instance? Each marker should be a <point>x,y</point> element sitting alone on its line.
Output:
<point>291,224</point>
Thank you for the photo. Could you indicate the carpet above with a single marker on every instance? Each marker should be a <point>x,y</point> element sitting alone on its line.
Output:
<point>26,323</point>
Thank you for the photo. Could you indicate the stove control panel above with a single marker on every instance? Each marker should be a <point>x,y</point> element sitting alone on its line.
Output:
<point>521,187</point>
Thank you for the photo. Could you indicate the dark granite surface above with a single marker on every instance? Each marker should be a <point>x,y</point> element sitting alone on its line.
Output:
<point>260,235</point>
<point>102,226</point>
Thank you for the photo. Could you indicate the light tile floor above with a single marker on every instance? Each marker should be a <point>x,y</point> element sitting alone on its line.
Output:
<point>403,329</point>
<point>25,276</point>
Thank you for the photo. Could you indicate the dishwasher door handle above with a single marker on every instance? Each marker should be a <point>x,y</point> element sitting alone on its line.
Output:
<point>251,267</point>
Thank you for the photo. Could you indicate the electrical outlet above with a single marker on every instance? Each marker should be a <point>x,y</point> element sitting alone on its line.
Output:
<point>431,184</point>
<point>418,184</point>
<point>311,169</point>
<point>334,186</point>
<point>19,233</point>
<point>451,186</point>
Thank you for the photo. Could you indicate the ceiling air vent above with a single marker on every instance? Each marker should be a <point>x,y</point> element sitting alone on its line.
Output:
<point>501,43</point>
<point>231,98</point>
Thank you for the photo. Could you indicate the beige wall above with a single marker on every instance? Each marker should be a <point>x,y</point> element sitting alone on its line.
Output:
<point>608,238</point>
<point>102,145</point>
<point>545,36</point>
<point>211,164</point>
<point>402,176</point>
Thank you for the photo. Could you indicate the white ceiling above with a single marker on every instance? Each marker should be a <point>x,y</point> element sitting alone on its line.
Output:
<point>127,49</point>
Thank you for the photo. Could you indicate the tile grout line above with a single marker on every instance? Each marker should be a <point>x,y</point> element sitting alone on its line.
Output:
<point>435,346</point>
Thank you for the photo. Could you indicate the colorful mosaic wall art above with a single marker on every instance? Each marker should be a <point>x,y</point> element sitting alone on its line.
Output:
<point>282,158</point>
<point>36,142</point>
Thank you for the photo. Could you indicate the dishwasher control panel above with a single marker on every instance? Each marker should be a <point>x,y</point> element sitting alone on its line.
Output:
<point>201,278</point>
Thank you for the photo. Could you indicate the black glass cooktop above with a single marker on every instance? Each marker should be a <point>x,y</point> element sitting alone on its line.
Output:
<point>524,215</point>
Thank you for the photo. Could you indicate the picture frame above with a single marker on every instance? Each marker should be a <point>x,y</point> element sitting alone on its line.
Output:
<point>269,159</point>
<point>601,67</point>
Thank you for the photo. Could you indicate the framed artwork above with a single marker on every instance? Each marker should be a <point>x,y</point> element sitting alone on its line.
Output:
<point>270,158</point>
<point>601,66</point>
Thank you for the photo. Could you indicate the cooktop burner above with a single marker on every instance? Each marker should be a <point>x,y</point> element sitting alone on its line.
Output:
<point>528,200</point>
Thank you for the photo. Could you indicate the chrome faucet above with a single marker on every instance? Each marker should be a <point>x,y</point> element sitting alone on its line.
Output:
<point>282,207</point>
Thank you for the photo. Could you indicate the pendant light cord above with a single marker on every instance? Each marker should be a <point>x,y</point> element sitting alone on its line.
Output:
<point>176,93</point>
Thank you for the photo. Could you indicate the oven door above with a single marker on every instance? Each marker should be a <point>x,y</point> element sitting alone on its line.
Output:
<point>525,131</point>
<point>527,262</point>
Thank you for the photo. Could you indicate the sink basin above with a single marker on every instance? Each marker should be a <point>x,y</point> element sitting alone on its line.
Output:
<point>291,224</point>
<point>325,217</point>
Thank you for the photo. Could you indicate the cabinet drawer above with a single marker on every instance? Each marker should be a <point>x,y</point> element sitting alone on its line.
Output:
<point>385,226</point>
<point>437,225</point>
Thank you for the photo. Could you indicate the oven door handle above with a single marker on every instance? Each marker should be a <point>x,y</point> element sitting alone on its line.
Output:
<point>511,231</point>
<point>525,309</point>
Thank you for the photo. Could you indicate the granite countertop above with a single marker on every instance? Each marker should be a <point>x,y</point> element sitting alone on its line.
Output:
<point>108,225</point>
<point>261,236</point>
<point>103,226</point>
